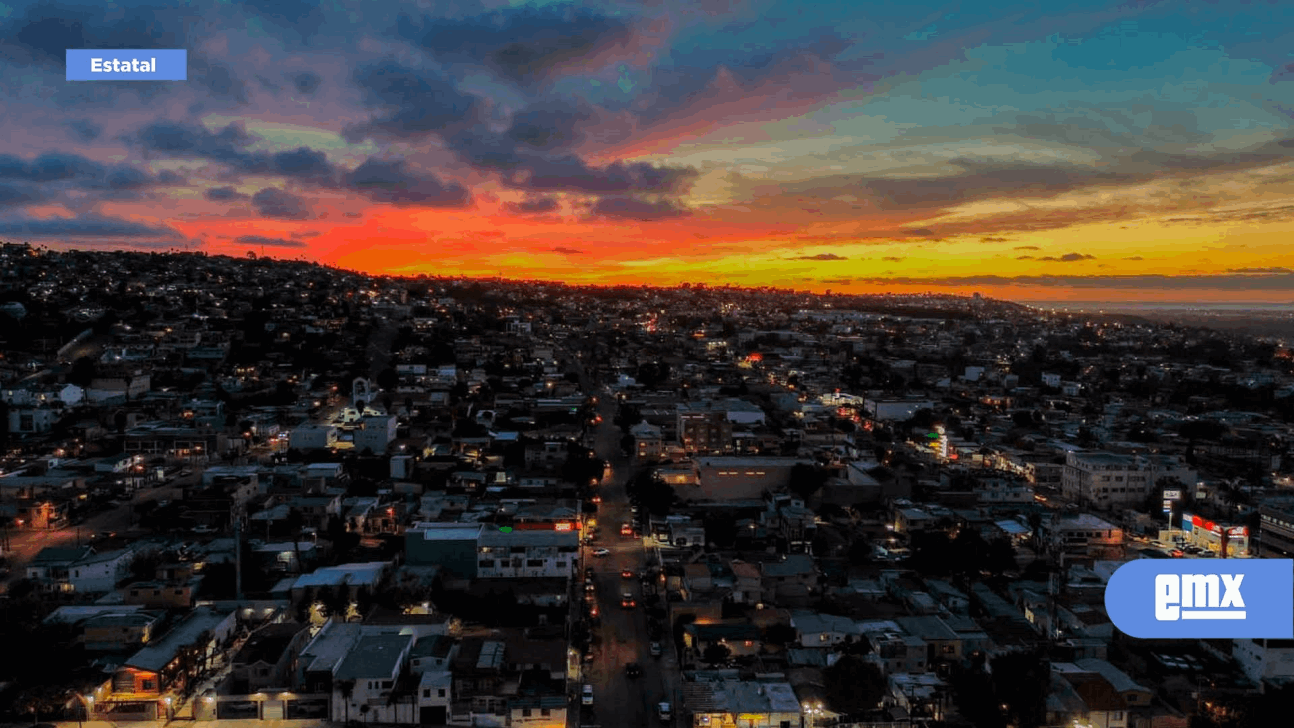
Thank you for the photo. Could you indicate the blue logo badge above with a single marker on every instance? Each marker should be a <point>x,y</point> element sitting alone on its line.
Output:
<point>1194,598</point>
<point>162,64</point>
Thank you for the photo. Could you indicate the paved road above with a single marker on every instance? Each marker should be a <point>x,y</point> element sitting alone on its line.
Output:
<point>25,544</point>
<point>622,637</point>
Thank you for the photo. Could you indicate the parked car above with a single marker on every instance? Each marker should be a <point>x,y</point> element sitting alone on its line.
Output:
<point>655,649</point>
<point>586,696</point>
<point>602,552</point>
<point>627,574</point>
<point>664,711</point>
<point>633,669</point>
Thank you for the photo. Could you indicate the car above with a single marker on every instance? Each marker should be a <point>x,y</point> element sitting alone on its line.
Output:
<point>588,572</point>
<point>597,499</point>
<point>586,695</point>
<point>633,669</point>
<point>627,574</point>
<point>664,711</point>
<point>655,649</point>
<point>588,656</point>
<point>627,601</point>
<point>602,552</point>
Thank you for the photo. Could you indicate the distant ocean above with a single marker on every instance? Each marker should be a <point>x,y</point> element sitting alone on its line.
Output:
<point>1165,306</point>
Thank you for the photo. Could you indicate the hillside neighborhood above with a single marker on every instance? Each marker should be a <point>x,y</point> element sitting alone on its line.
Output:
<point>255,490</point>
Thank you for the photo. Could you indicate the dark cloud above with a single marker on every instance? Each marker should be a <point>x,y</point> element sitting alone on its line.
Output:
<point>892,258</point>
<point>820,256</point>
<point>50,174</point>
<point>522,44</point>
<point>13,195</point>
<point>224,194</point>
<point>179,139</point>
<point>1220,282</point>
<point>408,103</point>
<point>1025,247</point>
<point>306,82</point>
<point>993,240</point>
<point>391,182</point>
<point>629,208</point>
<point>84,130</point>
<point>85,226</point>
<point>306,235</point>
<point>274,202</point>
<point>1134,257</point>
<point>268,242</point>
<point>302,163</point>
<point>41,35</point>
<point>217,78</point>
<point>1068,258</point>
<point>303,17</point>
<point>533,205</point>
<point>568,251</point>
<point>1260,271</point>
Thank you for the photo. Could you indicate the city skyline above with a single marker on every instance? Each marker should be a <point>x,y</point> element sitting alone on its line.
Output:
<point>1136,151</point>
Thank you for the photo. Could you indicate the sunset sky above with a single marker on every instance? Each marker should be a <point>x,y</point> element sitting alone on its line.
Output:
<point>1027,150</point>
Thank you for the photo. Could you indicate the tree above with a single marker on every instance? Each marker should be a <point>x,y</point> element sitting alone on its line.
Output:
<point>853,685</point>
<point>716,653</point>
<point>83,371</point>
<point>1021,681</point>
<point>347,689</point>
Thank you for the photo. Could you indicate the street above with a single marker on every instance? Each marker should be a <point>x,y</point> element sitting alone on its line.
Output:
<point>622,637</point>
<point>24,544</point>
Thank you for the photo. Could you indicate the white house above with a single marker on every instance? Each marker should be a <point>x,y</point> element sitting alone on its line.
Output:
<point>377,432</point>
<point>100,573</point>
<point>435,696</point>
<point>363,680</point>
<point>1265,659</point>
<point>313,437</point>
<point>823,630</point>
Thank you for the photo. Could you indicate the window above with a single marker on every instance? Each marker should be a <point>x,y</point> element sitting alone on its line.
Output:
<point>386,684</point>
<point>525,712</point>
<point>486,563</point>
<point>426,692</point>
<point>534,563</point>
<point>440,693</point>
<point>1118,715</point>
<point>545,712</point>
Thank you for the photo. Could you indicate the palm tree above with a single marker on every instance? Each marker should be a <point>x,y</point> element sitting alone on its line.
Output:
<point>347,689</point>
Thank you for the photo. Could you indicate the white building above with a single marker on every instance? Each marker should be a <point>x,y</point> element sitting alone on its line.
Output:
<point>376,433</point>
<point>1109,480</point>
<point>364,679</point>
<point>313,437</point>
<point>100,573</point>
<point>896,410</point>
<point>1265,659</point>
<point>527,553</point>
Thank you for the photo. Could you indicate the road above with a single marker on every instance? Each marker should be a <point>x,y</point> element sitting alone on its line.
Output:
<point>25,544</point>
<point>622,637</point>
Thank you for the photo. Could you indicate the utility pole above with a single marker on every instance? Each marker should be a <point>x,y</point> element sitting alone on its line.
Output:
<point>238,554</point>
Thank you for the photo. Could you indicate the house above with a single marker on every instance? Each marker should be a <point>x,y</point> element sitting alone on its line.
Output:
<point>795,575</point>
<point>725,701</point>
<point>167,665</point>
<point>1084,698</point>
<point>119,631</point>
<point>162,594</point>
<point>365,677</point>
<point>823,630</point>
<point>265,659</point>
<point>748,583</point>
<point>52,565</point>
<point>100,573</point>
<point>742,639</point>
